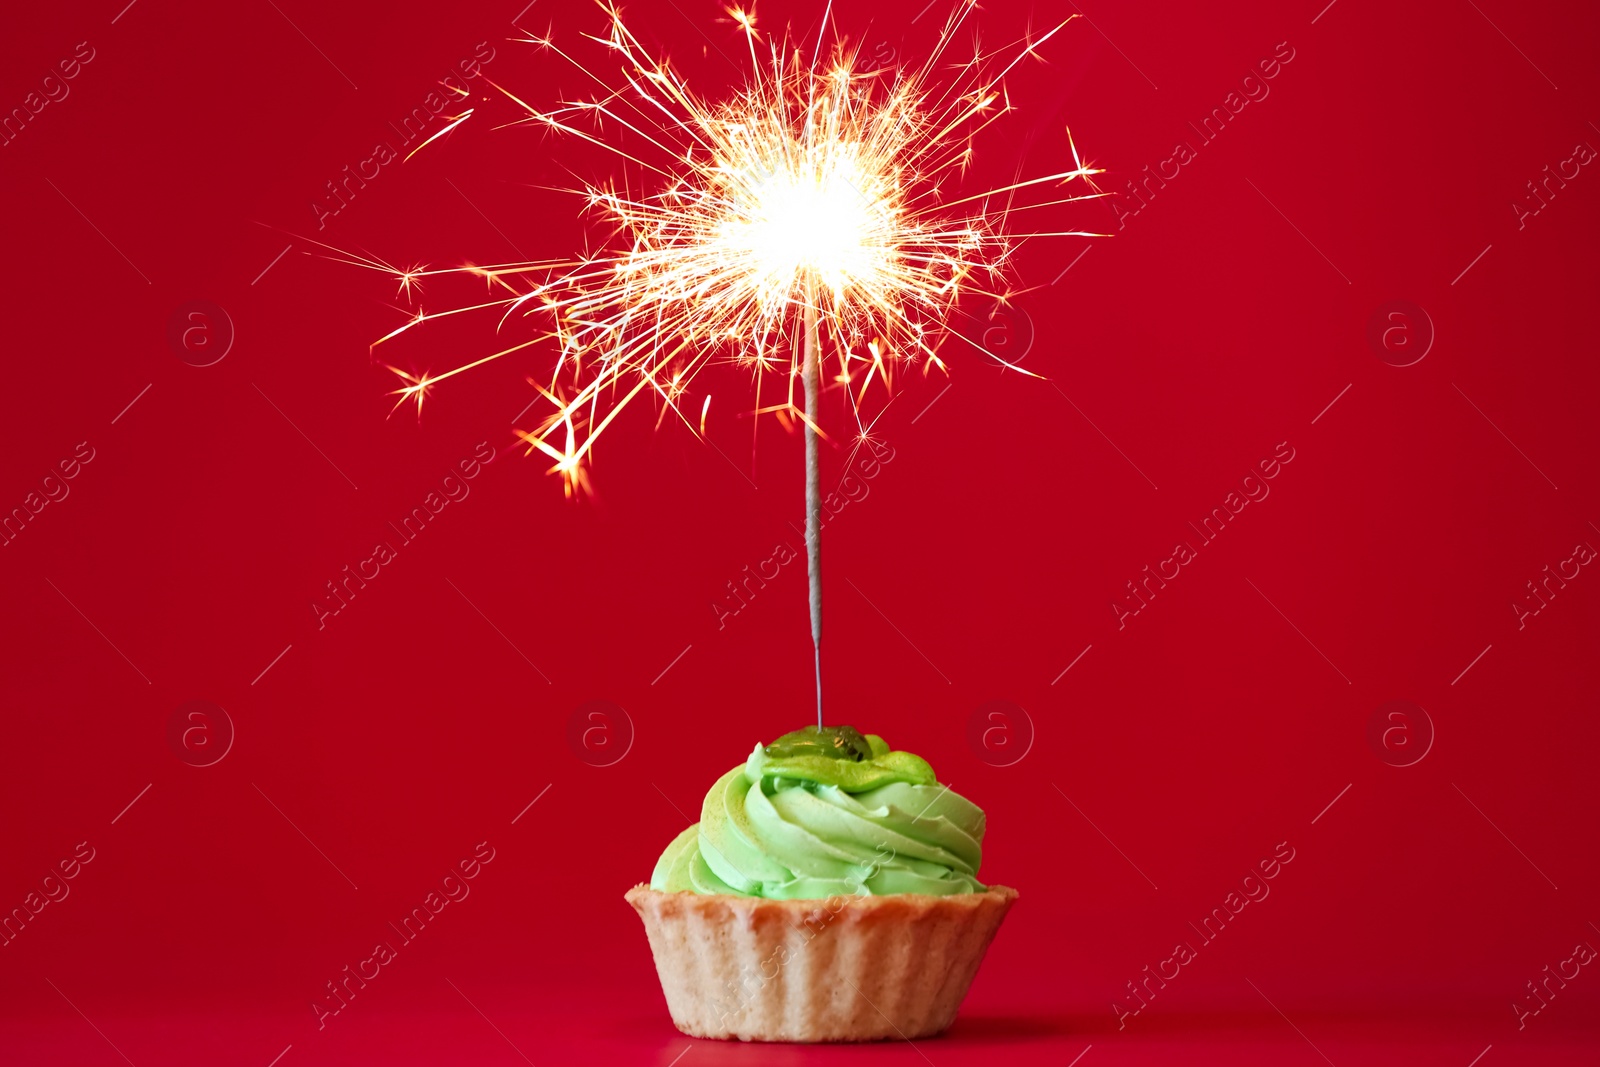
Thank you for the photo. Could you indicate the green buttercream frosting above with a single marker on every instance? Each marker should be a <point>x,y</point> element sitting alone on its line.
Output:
<point>813,816</point>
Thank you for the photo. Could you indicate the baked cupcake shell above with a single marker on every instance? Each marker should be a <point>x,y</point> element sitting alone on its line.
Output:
<point>854,968</point>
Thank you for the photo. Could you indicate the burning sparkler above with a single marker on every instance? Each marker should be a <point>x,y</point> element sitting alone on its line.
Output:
<point>805,220</point>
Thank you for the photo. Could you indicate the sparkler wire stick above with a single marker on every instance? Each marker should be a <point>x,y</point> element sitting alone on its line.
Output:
<point>823,194</point>
<point>810,373</point>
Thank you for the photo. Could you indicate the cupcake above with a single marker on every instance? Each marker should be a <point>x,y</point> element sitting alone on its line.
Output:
<point>829,892</point>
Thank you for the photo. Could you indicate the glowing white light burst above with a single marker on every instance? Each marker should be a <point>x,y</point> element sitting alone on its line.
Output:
<point>816,205</point>
<point>809,226</point>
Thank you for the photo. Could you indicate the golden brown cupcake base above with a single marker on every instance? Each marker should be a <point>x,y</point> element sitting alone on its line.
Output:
<point>842,969</point>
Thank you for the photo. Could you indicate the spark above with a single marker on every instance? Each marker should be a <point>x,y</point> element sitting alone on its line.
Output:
<point>455,120</point>
<point>813,193</point>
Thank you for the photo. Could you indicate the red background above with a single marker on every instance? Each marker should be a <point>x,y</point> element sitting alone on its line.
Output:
<point>1220,721</point>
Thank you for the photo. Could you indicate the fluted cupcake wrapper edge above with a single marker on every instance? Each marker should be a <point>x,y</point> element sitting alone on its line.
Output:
<point>852,968</point>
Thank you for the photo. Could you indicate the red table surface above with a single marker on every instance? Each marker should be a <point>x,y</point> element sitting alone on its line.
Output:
<point>1423,539</point>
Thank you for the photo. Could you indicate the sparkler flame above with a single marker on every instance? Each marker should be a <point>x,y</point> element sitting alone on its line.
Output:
<point>817,192</point>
